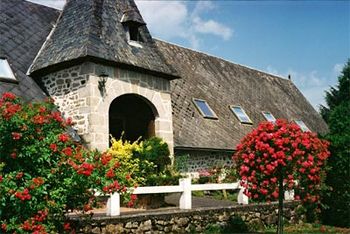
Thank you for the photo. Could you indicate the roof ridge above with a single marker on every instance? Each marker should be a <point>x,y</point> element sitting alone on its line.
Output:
<point>54,26</point>
<point>223,59</point>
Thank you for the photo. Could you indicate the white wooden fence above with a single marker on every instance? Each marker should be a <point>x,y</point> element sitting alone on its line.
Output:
<point>185,188</point>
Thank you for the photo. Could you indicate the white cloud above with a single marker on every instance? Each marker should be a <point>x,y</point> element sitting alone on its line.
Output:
<point>337,69</point>
<point>166,19</point>
<point>212,27</point>
<point>174,19</point>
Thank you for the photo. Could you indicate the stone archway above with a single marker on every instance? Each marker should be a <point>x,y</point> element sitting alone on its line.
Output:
<point>132,116</point>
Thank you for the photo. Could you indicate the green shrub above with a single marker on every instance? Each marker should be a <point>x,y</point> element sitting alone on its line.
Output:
<point>154,150</point>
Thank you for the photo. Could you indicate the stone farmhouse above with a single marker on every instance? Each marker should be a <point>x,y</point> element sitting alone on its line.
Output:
<point>98,61</point>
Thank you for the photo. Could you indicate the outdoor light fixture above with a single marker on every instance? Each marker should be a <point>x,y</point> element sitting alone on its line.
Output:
<point>102,83</point>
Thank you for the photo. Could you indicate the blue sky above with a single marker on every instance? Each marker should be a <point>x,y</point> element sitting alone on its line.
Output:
<point>310,40</point>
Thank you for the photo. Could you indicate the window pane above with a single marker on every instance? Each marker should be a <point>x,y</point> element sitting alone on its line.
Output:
<point>241,115</point>
<point>302,125</point>
<point>269,117</point>
<point>204,107</point>
<point>5,70</point>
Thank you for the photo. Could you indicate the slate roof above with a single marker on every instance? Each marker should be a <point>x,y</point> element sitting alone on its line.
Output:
<point>221,84</point>
<point>24,27</point>
<point>92,29</point>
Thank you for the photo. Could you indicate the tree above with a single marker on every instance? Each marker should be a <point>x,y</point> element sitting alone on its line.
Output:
<point>276,157</point>
<point>337,116</point>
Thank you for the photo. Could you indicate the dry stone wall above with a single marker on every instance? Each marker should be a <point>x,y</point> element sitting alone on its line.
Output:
<point>193,221</point>
<point>201,160</point>
<point>66,87</point>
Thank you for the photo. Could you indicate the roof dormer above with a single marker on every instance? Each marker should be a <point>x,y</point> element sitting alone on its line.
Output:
<point>132,21</point>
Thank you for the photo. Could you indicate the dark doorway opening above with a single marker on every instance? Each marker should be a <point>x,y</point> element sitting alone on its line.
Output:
<point>132,116</point>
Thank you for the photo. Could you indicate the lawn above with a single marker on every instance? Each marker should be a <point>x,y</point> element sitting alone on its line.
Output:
<point>288,229</point>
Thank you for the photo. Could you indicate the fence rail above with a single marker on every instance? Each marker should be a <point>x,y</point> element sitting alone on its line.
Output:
<point>185,188</point>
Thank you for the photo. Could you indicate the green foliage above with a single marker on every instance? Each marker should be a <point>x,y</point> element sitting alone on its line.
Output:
<point>236,225</point>
<point>181,162</point>
<point>156,151</point>
<point>142,163</point>
<point>337,95</point>
<point>337,117</point>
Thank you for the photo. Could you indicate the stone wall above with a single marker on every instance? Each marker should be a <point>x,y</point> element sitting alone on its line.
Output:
<point>182,221</point>
<point>199,160</point>
<point>78,93</point>
<point>66,88</point>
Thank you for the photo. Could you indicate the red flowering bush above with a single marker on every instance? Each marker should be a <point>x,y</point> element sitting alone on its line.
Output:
<point>44,173</point>
<point>280,151</point>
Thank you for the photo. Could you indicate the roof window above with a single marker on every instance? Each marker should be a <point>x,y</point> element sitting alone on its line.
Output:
<point>204,108</point>
<point>268,116</point>
<point>302,125</point>
<point>6,73</point>
<point>240,114</point>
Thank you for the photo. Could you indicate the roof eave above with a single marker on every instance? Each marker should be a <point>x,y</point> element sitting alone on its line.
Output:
<point>69,63</point>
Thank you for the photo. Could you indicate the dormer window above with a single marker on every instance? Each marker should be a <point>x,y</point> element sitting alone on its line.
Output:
<point>132,21</point>
<point>6,73</point>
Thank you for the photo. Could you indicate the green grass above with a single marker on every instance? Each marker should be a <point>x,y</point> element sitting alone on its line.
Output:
<point>308,228</point>
<point>305,228</point>
<point>218,195</point>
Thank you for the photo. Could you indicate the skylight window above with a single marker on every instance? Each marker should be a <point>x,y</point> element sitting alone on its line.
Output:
<point>268,116</point>
<point>204,108</point>
<point>6,73</point>
<point>241,115</point>
<point>302,125</point>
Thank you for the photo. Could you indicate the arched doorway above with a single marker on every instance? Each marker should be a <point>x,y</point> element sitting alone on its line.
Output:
<point>132,115</point>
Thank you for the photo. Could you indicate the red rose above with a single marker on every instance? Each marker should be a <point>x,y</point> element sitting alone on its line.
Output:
<point>4,227</point>
<point>66,226</point>
<point>53,147</point>
<point>16,135</point>
<point>63,137</point>
<point>8,96</point>
<point>110,173</point>
<point>68,151</point>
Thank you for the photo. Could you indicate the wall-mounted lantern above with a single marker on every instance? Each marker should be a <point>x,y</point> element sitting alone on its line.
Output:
<point>102,83</point>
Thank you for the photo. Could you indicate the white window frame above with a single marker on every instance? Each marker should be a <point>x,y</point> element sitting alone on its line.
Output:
<point>12,79</point>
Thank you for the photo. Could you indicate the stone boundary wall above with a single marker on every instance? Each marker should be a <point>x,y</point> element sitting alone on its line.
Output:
<point>201,160</point>
<point>186,221</point>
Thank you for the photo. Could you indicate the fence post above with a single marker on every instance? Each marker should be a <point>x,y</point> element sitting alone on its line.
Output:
<point>113,205</point>
<point>186,196</point>
<point>242,198</point>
